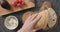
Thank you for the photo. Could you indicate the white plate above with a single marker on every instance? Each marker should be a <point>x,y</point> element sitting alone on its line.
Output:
<point>11,22</point>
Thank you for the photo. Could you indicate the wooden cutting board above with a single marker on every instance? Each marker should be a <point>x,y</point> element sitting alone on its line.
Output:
<point>29,4</point>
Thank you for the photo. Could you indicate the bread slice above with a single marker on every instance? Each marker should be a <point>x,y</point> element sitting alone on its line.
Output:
<point>42,23</point>
<point>52,18</point>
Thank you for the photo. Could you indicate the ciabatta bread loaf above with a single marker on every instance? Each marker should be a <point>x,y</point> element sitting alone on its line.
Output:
<point>48,19</point>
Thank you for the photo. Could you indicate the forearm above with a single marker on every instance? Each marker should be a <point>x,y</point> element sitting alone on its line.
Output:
<point>25,30</point>
<point>22,30</point>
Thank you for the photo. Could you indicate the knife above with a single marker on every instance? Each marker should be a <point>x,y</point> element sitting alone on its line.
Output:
<point>5,4</point>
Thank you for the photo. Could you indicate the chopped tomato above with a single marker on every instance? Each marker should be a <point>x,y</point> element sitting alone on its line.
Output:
<point>23,3</point>
<point>19,5</point>
<point>14,3</point>
<point>20,1</point>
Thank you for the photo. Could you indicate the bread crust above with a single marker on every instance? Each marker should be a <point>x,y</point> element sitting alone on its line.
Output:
<point>45,6</point>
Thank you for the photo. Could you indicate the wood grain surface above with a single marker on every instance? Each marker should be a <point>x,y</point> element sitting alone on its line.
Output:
<point>29,4</point>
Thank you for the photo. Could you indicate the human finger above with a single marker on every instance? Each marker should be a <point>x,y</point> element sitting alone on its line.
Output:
<point>36,19</point>
<point>33,16</point>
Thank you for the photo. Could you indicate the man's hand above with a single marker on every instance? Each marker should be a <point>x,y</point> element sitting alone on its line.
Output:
<point>29,23</point>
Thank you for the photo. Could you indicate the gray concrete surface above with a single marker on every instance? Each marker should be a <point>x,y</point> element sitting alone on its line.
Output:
<point>55,5</point>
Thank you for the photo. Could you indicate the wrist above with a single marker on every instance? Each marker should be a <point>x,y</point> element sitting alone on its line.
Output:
<point>23,30</point>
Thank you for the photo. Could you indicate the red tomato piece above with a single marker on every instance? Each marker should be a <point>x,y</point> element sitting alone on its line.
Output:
<point>23,3</point>
<point>20,1</point>
<point>14,3</point>
<point>19,5</point>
